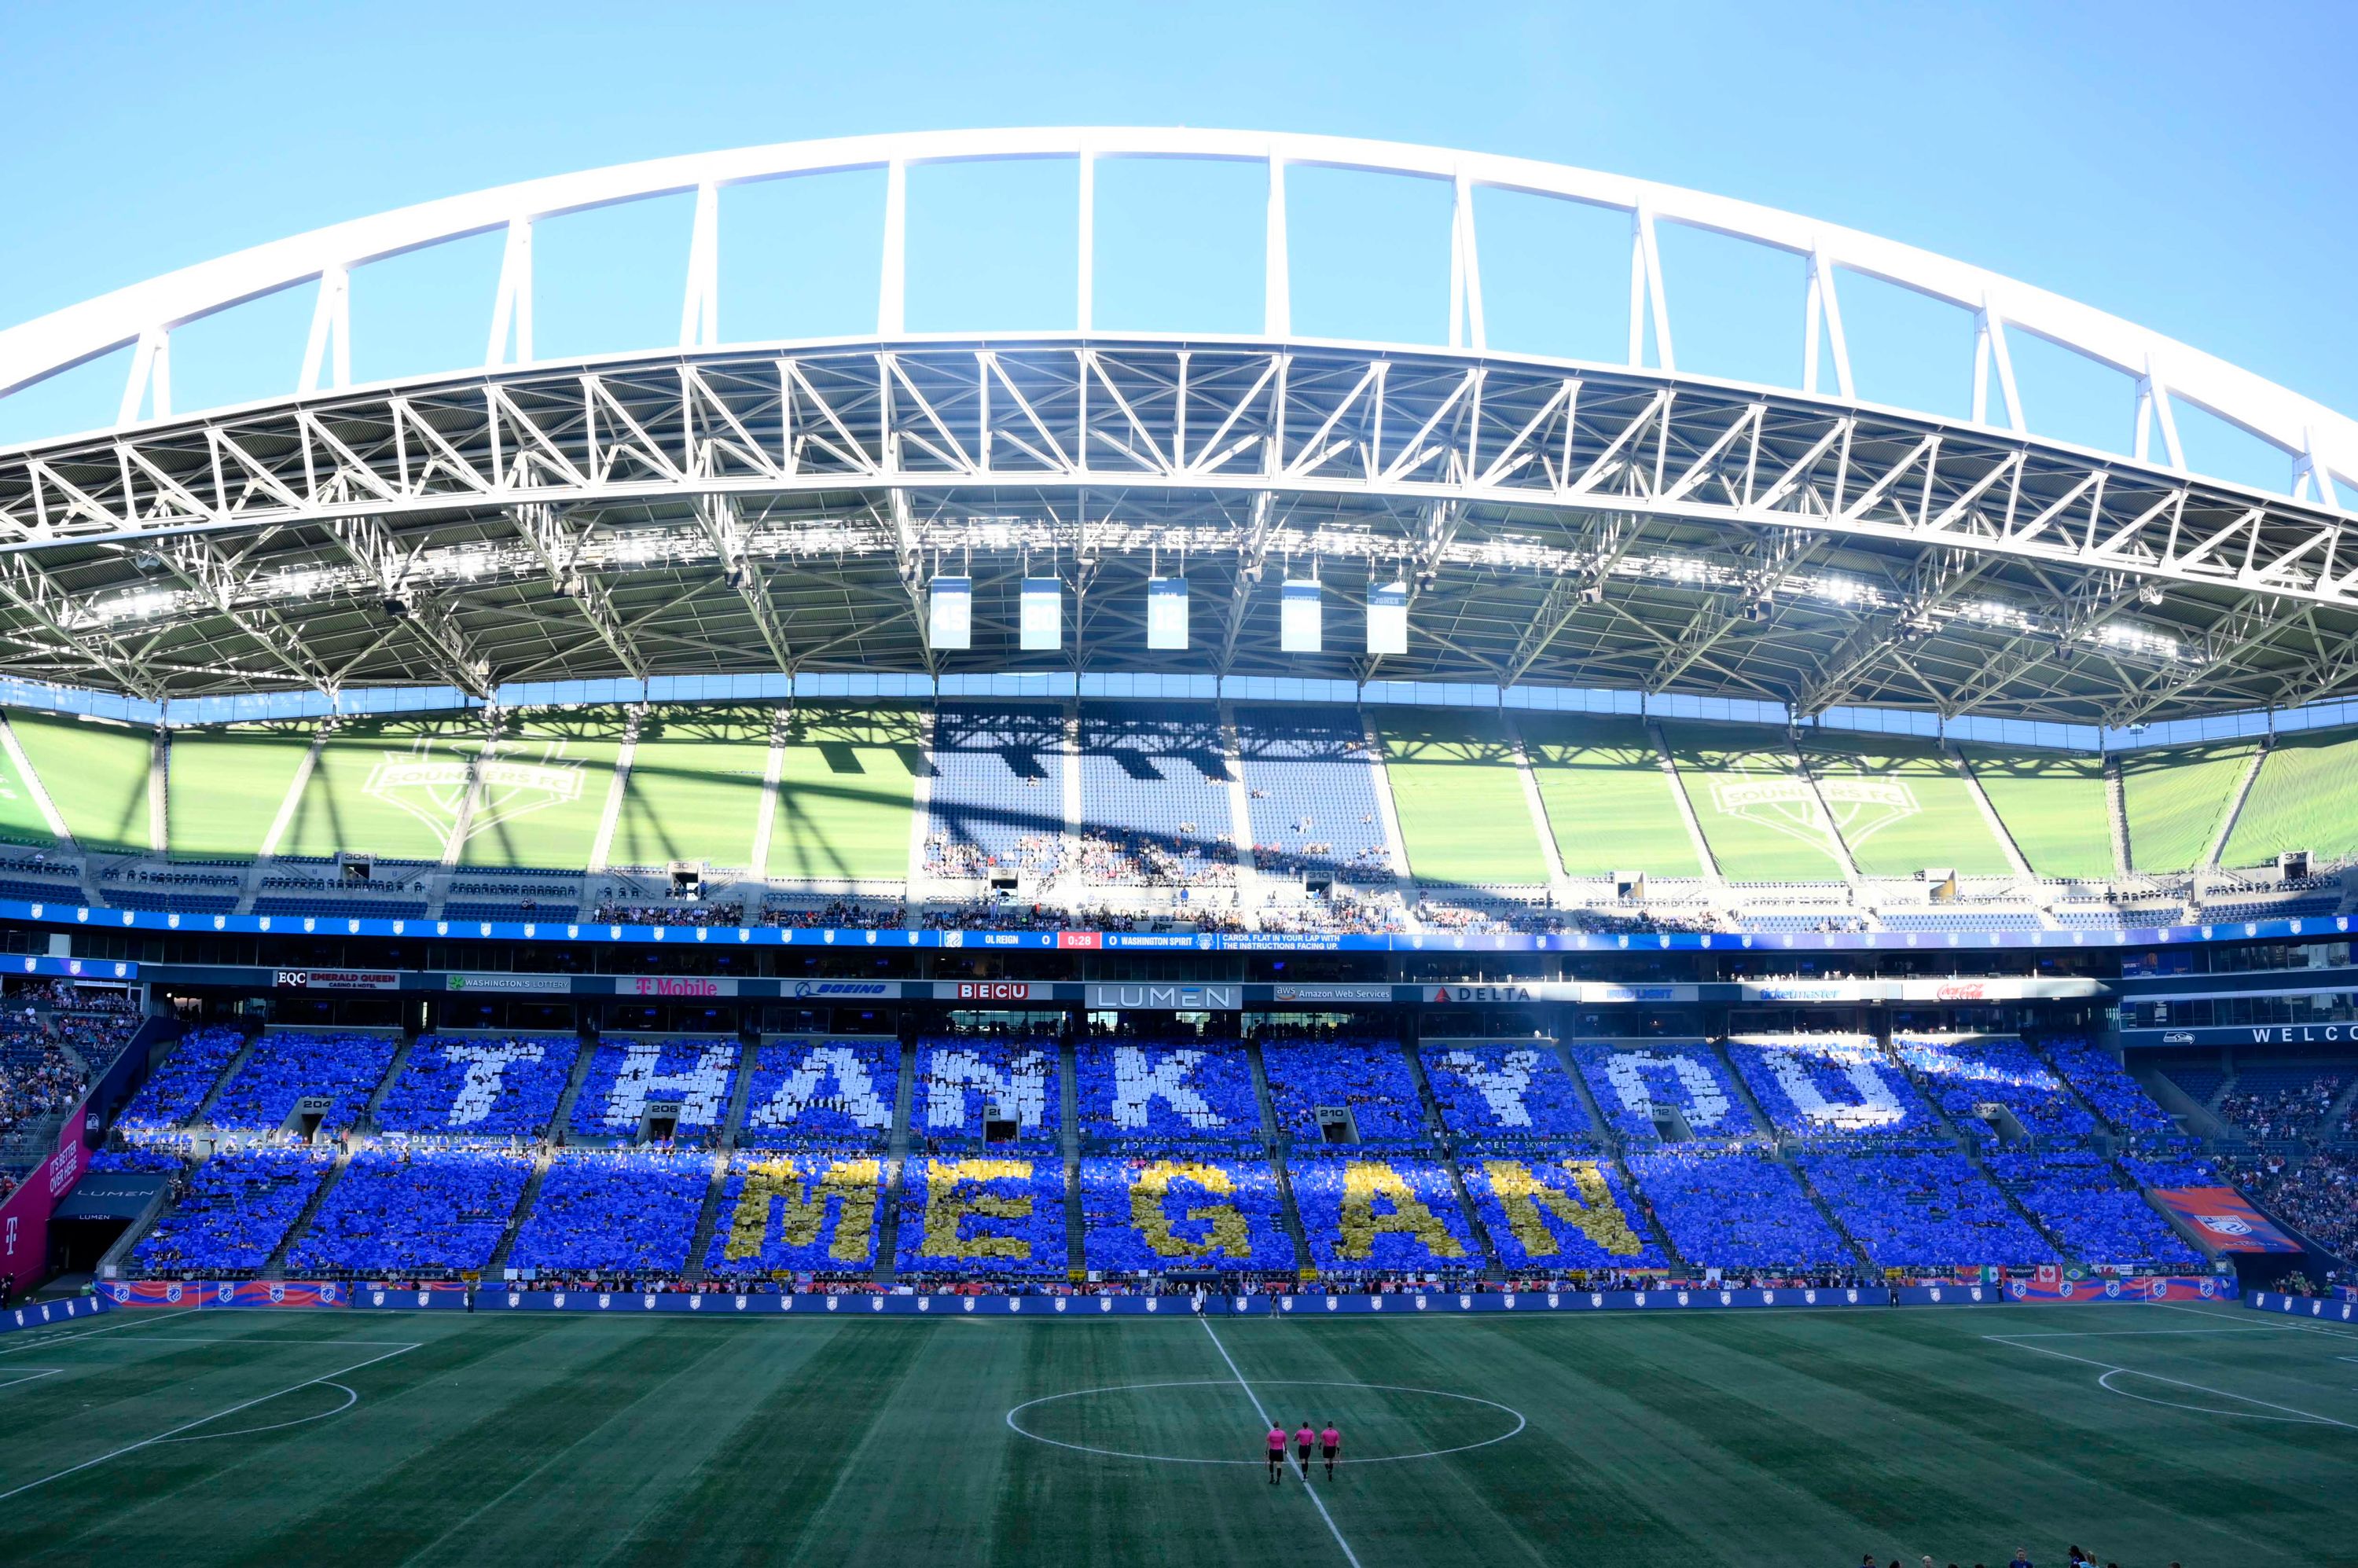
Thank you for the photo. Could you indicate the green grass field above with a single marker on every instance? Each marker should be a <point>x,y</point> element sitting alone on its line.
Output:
<point>2305,796</point>
<point>96,775</point>
<point>846,788</point>
<point>1753,803</point>
<point>1757,1438</point>
<point>1903,805</point>
<point>2173,800</point>
<point>2055,805</point>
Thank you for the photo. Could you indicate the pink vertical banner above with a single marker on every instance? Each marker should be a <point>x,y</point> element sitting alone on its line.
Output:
<point>24,1217</point>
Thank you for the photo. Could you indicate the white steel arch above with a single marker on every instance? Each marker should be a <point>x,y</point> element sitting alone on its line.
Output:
<point>2321,444</point>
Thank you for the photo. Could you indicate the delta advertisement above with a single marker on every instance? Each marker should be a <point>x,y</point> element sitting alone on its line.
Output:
<point>2225,1220</point>
<point>24,1217</point>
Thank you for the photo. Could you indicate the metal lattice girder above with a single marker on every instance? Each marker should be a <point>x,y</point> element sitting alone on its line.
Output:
<point>558,547</point>
<point>724,524</point>
<point>435,631</point>
<point>1577,525</point>
<point>1414,429</point>
<point>32,591</point>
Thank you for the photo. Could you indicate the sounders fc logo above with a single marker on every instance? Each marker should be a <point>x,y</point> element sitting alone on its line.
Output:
<point>1861,807</point>
<point>433,789</point>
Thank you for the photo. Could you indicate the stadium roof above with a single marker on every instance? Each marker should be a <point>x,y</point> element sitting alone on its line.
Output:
<point>708,506</point>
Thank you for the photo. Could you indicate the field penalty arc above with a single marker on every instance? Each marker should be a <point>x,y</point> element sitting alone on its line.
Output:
<point>1020,1429</point>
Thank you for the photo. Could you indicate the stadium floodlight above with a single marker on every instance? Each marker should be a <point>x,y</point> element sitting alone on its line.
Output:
<point>1388,618</point>
<point>1040,628</point>
<point>951,614</point>
<point>1301,628</point>
<point>1166,612</point>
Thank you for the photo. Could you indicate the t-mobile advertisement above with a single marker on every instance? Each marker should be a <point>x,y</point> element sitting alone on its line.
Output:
<point>24,1217</point>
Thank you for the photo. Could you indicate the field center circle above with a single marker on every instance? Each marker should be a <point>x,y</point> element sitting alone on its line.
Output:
<point>1021,1430</point>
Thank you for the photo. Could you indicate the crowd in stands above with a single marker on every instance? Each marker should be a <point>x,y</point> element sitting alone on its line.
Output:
<point>1735,1208</point>
<point>398,1210</point>
<point>235,1211</point>
<point>839,914</point>
<point>36,1077</point>
<point>1389,1215</point>
<point>983,1216</point>
<point>174,1091</point>
<point>1639,1087</point>
<point>74,996</point>
<point>1552,1213</point>
<point>1368,1079</point>
<point>1506,1095</point>
<point>1923,1207</point>
<point>1147,1092</point>
<point>620,1210</point>
<point>1963,1074</point>
<point>1143,1214</point>
<point>627,1079</point>
<point>1040,856</point>
<point>2102,1081</point>
<point>1840,1086</point>
<point>2316,1194</point>
<point>798,1212</point>
<point>2275,1104</point>
<point>287,1067</point>
<point>960,1081</point>
<point>2080,1199</point>
<point>479,1087</point>
<point>832,1093</point>
<point>683,911</point>
<point>1152,859</point>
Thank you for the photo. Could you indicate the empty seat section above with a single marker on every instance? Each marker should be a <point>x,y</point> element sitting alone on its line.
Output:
<point>694,789</point>
<point>1311,793</point>
<point>1155,797</point>
<point>1903,805</point>
<point>2053,804</point>
<point>1608,801</point>
<point>1464,817</point>
<point>2305,796</point>
<point>2174,798</point>
<point>95,774</point>
<point>846,786</point>
<point>1757,812</point>
<point>225,785</point>
<point>998,805</point>
<point>388,787</point>
<point>542,791</point>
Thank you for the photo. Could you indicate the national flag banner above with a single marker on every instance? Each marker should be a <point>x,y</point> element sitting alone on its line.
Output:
<point>2225,1220</point>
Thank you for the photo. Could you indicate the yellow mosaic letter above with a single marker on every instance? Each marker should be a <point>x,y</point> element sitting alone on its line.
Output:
<point>1364,1182</point>
<point>1520,1192</point>
<point>947,1209</point>
<point>848,1184</point>
<point>1149,1194</point>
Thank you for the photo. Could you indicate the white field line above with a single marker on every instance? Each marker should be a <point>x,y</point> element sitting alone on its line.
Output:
<point>2109,1368</point>
<point>1348,1555</point>
<point>187,1425</point>
<point>2330,1331</point>
<point>36,1341</point>
<point>27,1375</point>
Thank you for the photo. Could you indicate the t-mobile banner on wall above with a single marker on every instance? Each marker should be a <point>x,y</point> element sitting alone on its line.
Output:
<point>24,1217</point>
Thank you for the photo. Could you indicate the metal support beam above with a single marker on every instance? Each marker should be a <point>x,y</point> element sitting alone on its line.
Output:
<point>437,633</point>
<point>558,548</point>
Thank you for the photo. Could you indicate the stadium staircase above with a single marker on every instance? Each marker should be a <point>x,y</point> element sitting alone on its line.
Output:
<point>896,1166</point>
<point>274,1266</point>
<point>2337,1110</point>
<point>1971,1149</point>
<point>732,1123</point>
<point>236,1064</point>
<point>1703,857</point>
<point>2117,814</point>
<point>2234,807</point>
<point>1395,842</point>
<point>1551,853</point>
<point>1275,1144</point>
<point>1835,842</point>
<point>1068,1076</point>
<point>618,784</point>
<point>366,1122</point>
<point>1241,833</point>
<point>1760,1119</point>
<point>267,856</point>
<point>1645,1219</point>
<point>1443,1141</point>
<point>562,1118</point>
<point>1998,830</point>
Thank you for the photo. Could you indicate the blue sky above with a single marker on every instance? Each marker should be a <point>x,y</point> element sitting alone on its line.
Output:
<point>2184,166</point>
